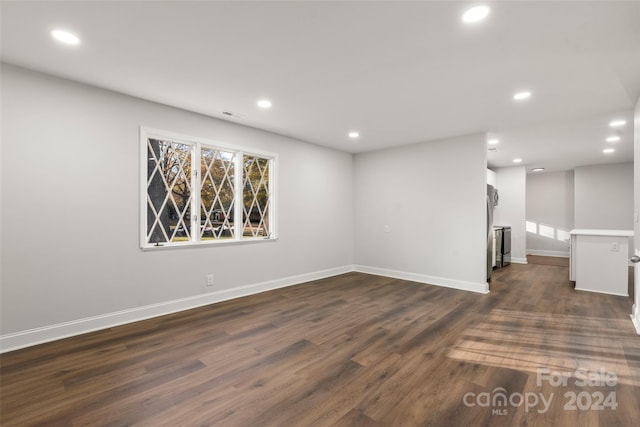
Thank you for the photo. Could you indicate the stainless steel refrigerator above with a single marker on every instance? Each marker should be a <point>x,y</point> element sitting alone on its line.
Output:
<point>503,246</point>
<point>492,201</point>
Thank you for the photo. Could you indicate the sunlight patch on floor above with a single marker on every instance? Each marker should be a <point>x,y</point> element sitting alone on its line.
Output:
<point>527,341</point>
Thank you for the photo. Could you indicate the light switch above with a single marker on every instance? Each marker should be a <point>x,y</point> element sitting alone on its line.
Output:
<point>386,228</point>
<point>615,247</point>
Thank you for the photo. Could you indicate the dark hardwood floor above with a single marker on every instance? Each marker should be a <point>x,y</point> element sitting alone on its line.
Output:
<point>353,350</point>
<point>548,260</point>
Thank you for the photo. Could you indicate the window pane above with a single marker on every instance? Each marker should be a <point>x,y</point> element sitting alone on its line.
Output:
<point>256,197</point>
<point>217,194</point>
<point>168,191</point>
<point>197,192</point>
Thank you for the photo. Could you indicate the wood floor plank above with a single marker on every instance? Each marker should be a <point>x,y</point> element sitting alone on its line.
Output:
<point>351,350</point>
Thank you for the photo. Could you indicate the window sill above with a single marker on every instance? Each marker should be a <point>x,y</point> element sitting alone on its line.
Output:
<point>208,244</point>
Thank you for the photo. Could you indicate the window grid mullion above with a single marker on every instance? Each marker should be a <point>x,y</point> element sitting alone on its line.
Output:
<point>239,196</point>
<point>195,192</point>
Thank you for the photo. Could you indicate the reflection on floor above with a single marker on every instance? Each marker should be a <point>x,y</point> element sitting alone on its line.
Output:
<point>561,343</point>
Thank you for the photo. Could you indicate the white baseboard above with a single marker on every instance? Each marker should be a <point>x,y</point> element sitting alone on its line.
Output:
<point>635,317</point>
<point>518,260</point>
<point>31,337</point>
<point>18,340</point>
<point>482,288</point>
<point>600,292</point>
<point>559,254</point>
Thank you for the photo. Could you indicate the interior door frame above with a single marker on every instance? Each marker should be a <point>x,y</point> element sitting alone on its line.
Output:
<point>635,311</point>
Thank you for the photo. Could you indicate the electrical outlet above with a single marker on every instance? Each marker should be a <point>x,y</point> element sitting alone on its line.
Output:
<point>386,228</point>
<point>615,247</point>
<point>209,279</point>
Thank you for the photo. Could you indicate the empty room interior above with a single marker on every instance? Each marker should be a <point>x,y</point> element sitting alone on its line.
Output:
<point>320,213</point>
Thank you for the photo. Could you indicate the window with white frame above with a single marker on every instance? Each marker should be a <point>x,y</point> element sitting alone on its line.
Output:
<point>195,191</point>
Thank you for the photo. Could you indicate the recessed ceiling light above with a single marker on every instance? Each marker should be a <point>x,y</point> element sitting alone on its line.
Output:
<point>608,150</point>
<point>493,141</point>
<point>475,14</point>
<point>354,135</point>
<point>613,139</point>
<point>65,37</point>
<point>617,123</point>
<point>522,95</point>
<point>264,103</point>
<point>517,160</point>
<point>537,169</point>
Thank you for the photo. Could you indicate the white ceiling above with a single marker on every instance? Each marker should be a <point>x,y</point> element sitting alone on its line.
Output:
<point>398,72</point>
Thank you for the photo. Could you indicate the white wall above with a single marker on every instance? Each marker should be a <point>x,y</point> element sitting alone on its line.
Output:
<point>549,207</point>
<point>432,197</point>
<point>70,215</point>
<point>604,197</point>
<point>491,177</point>
<point>512,189</point>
